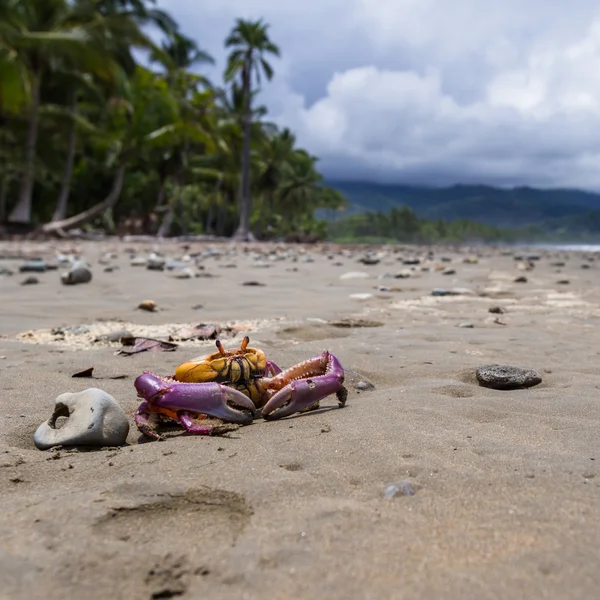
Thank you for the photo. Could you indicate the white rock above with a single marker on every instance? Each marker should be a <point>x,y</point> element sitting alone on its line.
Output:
<point>94,418</point>
<point>355,275</point>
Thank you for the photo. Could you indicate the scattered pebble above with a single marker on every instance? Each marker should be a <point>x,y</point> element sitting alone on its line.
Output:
<point>521,279</point>
<point>79,272</point>
<point>30,280</point>
<point>355,275</point>
<point>254,284</point>
<point>148,305</point>
<point>466,325</point>
<point>33,266</point>
<point>364,296</point>
<point>506,377</point>
<point>364,385</point>
<point>496,310</point>
<point>449,272</point>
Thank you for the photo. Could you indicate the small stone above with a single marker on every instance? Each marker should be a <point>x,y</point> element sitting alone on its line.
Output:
<point>521,279</point>
<point>364,385</point>
<point>466,325</point>
<point>496,310</point>
<point>411,261</point>
<point>404,274</point>
<point>30,281</point>
<point>369,260</point>
<point>138,261</point>
<point>253,284</point>
<point>383,288</point>
<point>155,263</point>
<point>364,296</point>
<point>185,273</point>
<point>93,418</point>
<point>471,260</point>
<point>440,292</point>
<point>506,377</point>
<point>33,266</point>
<point>563,282</point>
<point>110,268</point>
<point>449,272</point>
<point>355,275</point>
<point>148,305</point>
<point>114,336</point>
<point>79,272</point>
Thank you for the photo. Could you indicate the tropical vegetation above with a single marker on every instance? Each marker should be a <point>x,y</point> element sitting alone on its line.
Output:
<point>100,125</point>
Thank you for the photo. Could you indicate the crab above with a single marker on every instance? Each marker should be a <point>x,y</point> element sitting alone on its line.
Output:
<point>217,393</point>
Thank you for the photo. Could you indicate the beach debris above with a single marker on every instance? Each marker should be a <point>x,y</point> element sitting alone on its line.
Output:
<point>405,488</point>
<point>33,266</point>
<point>197,306</point>
<point>91,418</point>
<point>361,297</point>
<point>369,259</point>
<point>148,305</point>
<point>506,377</point>
<point>85,373</point>
<point>31,280</point>
<point>138,261</point>
<point>79,272</point>
<point>254,284</point>
<point>563,282</point>
<point>521,279</point>
<point>144,344</point>
<point>355,275</point>
<point>466,325</point>
<point>470,260</point>
<point>211,394</point>
<point>449,272</point>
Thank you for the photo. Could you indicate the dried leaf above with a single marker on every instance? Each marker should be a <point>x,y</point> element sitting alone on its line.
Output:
<point>84,373</point>
<point>143,344</point>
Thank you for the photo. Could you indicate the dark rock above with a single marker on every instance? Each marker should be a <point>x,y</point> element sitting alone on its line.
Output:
<point>30,281</point>
<point>33,266</point>
<point>521,279</point>
<point>506,377</point>
<point>496,310</point>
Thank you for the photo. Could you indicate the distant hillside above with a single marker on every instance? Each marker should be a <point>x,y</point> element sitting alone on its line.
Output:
<point>507,208</point>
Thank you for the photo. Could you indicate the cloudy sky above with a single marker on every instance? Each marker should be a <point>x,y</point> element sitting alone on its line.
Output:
<point>430,91</point>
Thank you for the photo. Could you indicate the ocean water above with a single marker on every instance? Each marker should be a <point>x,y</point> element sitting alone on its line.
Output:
<point>575,247</point>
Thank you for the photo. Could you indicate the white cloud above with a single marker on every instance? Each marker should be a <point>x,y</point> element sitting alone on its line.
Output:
<point>435,91</point>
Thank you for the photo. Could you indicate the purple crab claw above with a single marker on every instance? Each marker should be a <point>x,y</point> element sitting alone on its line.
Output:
<point>305,385</point>
<point>213,399</point>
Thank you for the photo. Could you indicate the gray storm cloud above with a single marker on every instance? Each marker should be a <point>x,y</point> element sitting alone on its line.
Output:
<point>433,91</point>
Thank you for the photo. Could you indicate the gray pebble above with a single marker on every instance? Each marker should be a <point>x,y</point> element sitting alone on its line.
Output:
<point>506,377</point>
<point>364,385</point>
<point>78,273</point>
<point>33,266</point>
<point>30,281</point>
<point>93,418</point>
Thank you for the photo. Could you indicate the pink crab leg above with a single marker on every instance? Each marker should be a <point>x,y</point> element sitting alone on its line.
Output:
<point>272,368</point>
<point>145,421</point>
<point>210,398</point>
<point>312,381</point>
<point>193,426</point>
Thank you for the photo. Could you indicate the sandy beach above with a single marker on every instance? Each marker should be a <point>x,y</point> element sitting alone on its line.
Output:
<point>506,499</point>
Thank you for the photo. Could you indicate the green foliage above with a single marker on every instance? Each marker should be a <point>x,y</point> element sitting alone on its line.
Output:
<point>76,109</point>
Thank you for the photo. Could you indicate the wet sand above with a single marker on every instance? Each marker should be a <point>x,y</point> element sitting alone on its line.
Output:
<point>507,492</point>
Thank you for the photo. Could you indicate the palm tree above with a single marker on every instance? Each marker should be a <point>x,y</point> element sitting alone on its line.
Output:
<point>250,43</point>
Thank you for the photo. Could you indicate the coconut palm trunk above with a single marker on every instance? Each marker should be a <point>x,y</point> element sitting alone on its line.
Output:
<point>60,212</point>
<point>21,213</point>
<point>95,211</point>
<point>243,231</point>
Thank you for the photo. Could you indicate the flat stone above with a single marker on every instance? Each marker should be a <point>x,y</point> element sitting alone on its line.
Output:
<point>33,266</point>
<point>355,275</point>
<point>449,272</point>
<point>506,377</point>
<point>93,418</point>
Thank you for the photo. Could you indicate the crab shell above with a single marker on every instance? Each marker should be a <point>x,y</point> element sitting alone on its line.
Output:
<point>231,366</point>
